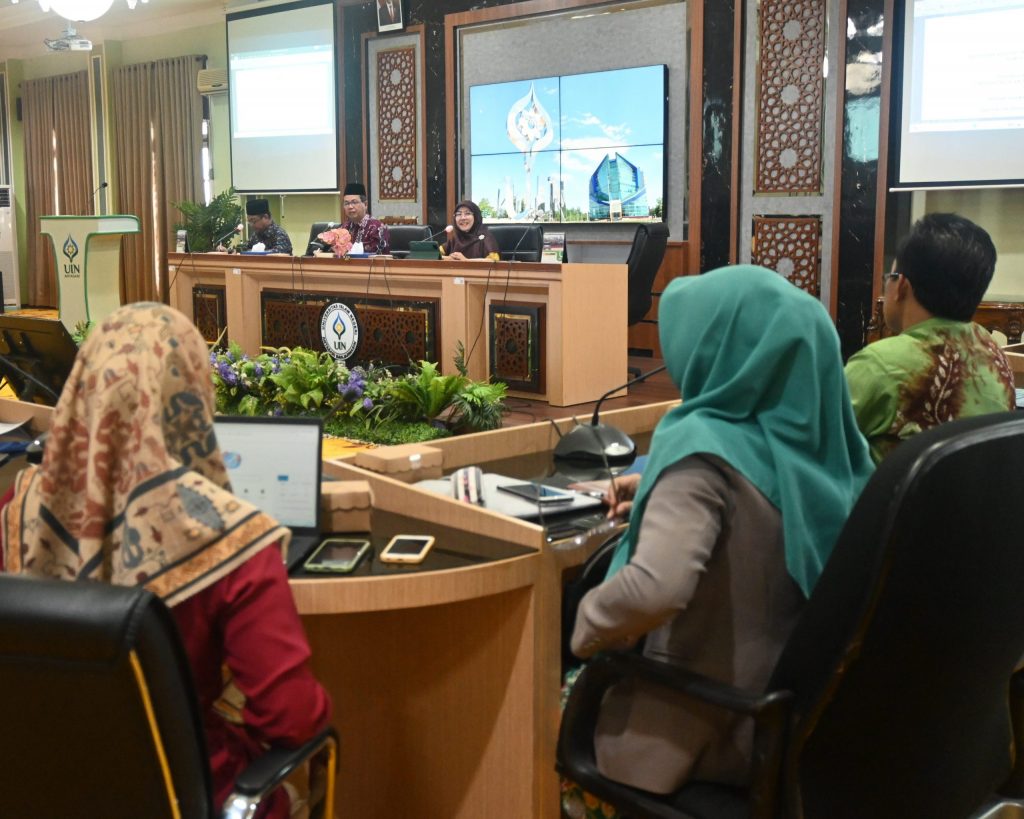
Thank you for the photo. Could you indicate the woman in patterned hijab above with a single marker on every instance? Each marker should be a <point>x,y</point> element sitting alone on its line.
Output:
<point>132,489</point>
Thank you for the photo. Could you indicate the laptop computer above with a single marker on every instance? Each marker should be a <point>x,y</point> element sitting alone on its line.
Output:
<point>275,464</point>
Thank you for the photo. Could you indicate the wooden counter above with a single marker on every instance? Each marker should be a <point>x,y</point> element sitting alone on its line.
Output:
<point>551,331</point>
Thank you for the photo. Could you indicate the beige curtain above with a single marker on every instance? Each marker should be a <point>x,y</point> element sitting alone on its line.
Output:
<point>157,141</point>
<point>58,160</point>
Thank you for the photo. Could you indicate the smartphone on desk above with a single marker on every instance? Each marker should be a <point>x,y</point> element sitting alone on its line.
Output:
<point>337,555</point>
<point>539,493</point>
<point>407,549</point>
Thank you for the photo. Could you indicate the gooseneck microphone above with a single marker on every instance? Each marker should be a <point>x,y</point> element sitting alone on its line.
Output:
<point>100,187</point>
<point>236,229</point>
<point>445,229</point>
<point>598,443</point>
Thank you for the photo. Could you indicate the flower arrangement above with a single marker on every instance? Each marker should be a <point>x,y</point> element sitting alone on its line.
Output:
<point>370,404</point>
<point>337,239</point>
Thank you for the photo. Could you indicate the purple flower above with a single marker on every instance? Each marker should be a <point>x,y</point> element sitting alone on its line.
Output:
<point>227,375</point>
<point>278,412</point>
<point>367,404</point>
<point>257,370</point>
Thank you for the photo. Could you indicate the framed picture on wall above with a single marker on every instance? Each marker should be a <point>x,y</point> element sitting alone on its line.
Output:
<point>389,15</point>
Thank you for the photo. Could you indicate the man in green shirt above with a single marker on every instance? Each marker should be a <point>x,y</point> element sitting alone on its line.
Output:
<point>940,365</point>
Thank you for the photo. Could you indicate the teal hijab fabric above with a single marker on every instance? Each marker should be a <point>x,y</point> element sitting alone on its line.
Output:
<point>757,363</point>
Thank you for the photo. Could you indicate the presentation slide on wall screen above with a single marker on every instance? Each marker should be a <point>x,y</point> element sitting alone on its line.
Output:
<point>962,88</point>
<point>282,99</point>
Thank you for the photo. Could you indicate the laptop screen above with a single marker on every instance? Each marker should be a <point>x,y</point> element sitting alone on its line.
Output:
<point>274,464</point>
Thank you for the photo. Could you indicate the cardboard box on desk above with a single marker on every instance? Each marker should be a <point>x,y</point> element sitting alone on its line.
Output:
<point>345,506</point>
<point>1015,355</point>
<point>406,462</point>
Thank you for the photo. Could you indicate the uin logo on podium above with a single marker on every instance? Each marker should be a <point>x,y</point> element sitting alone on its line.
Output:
<point>339,330</point>
<point>70,251</point>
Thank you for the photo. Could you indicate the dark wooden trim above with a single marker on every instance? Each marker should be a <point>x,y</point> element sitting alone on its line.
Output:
<point>837,168</point>
<point>695,127</point>
<point>882,194</point>
<point>737,138</point>
<point>421,179</point>
<point>339,35</point>
<point>364,50</point>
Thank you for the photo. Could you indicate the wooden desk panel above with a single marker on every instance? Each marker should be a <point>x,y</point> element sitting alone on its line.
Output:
<point>584,306</point>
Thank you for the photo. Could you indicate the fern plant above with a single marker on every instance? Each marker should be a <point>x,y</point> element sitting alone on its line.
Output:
<point>206,224</point>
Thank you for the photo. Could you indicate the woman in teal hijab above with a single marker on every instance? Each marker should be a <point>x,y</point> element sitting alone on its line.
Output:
<point>746,488</point>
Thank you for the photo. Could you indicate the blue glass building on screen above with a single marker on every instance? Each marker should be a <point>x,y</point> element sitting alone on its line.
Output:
<point>618,190</point>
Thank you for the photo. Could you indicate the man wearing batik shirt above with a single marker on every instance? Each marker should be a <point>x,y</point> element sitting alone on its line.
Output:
<point>263,230</point>
<point>941,365</point>
<point>360,225</point>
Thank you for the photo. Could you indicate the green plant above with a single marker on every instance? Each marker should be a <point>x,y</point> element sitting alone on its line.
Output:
<point>81,332</point>
<point>206,224</point>
<point>364,403</point>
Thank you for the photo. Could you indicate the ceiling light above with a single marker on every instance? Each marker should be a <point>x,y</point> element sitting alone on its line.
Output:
<point>81,11</point>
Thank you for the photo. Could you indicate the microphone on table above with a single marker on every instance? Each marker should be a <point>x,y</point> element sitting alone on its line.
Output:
<point>236,229</point>
<point>597,443</point>
<point>445,229</point>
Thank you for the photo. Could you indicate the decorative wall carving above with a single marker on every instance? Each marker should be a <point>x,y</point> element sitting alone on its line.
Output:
<point>790,96</point>
<point>396,123</point>
<point>791,246</point>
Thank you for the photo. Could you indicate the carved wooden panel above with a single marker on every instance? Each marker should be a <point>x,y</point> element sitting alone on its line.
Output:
<point>394,335</point>
<point>391,331</point>
<point>396,123</point>
<point>517,342</point>
<point>790,96</point>
<point>791,246</point>
<point>210,312</point>
<point>293,322</point>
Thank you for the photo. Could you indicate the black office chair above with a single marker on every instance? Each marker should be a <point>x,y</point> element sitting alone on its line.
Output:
<point>890,698</point>
<point>318,228</point>
<point>645,258</point>
<point>401,235</point>
<point>520,243</point>
<point>98,713</point>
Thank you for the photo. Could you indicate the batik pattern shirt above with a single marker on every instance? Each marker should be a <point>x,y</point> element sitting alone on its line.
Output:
<point>274,238</point>
<point>936,371</point>
<point>372,233</point>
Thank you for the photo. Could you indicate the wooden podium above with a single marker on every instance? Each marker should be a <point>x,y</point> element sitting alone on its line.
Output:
<point>87,252</point>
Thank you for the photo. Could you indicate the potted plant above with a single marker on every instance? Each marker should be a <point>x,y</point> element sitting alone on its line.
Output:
<point>205,224</point>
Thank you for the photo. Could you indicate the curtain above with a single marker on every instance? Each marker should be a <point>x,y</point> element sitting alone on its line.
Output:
<point>58,159</point>
<point>157,141</point>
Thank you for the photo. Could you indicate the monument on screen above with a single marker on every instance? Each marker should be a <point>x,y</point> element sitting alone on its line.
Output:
<point>87,252</point>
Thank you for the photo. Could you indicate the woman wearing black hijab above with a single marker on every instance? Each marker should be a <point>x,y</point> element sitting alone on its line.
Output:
<point>469,239</point>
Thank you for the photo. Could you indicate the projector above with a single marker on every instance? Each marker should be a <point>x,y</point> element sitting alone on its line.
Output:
<point>69,41</point>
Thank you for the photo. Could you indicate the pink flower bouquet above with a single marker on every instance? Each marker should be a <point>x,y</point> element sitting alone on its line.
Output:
<point>338,239</point>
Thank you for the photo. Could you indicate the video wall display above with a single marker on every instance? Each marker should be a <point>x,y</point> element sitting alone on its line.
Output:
<point>571,148</point>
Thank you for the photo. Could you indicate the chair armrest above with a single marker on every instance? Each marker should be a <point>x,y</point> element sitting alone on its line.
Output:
<point>1014,785</point>
<point>268,771</point>
<point>770,712</point>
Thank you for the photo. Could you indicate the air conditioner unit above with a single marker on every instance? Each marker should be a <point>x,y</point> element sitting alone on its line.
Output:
<point>212,81</point>
<point>9,248</point>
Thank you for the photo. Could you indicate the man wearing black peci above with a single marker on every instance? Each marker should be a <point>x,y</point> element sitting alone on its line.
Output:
<point>263,229</point>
